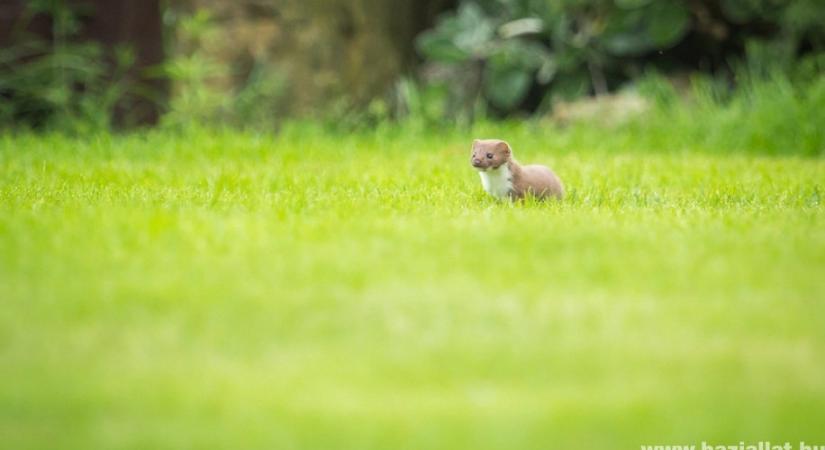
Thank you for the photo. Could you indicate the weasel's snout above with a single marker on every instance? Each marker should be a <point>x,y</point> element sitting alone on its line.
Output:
<point>476,162</point>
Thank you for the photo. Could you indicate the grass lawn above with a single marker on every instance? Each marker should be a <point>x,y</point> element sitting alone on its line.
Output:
<point>216,289</point>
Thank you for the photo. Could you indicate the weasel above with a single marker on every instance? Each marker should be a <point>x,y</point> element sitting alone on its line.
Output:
<point>503,177</point>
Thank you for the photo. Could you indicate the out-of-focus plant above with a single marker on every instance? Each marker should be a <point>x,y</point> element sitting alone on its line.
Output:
<point>418,104</point>
<point>62,82</point>
<point>198,95</point>
<point>506,52</point>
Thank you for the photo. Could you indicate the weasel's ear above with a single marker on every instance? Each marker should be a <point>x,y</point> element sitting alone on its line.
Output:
<point>476,142</point>
<point>504,147</point>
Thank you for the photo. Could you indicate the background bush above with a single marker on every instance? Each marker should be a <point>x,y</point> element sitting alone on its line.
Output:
<point>513,55</point>
<point>359,63</point>
<point>63,81</point>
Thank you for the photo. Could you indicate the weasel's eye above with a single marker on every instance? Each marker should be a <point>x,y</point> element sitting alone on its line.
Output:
<point>489,156</point>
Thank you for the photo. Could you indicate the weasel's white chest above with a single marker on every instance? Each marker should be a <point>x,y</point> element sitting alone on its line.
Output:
<point>497,182</point>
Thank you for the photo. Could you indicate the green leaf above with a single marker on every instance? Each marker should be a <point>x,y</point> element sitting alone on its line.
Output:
<point>459,37</point>
<point>570,85</point>
<point>472,30</point>
<point>547,71</point>
<point>659,25</point>
<point>667,23</point>
<point>624,33</point>
<point>440,48</point>
<point>631,4</point>
<point>506,87</point>
<point>518,53</point>
<point>628,43</point>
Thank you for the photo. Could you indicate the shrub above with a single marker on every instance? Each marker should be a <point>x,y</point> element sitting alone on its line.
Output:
<point>61,82</point>
<point>519,54</point>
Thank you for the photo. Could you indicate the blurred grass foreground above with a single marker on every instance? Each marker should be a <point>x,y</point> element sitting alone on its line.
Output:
<point>314,290</point>
<point>196,257</point>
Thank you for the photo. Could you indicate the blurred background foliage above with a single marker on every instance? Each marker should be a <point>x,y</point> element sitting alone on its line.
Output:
<point>513,55</point>
<point>54,78</point>
<point>256,63</point>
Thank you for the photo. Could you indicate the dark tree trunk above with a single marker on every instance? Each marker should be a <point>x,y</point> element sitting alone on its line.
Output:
<point>136,24</point>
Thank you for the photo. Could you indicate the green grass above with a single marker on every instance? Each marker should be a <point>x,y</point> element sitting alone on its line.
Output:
<point>215,289</point>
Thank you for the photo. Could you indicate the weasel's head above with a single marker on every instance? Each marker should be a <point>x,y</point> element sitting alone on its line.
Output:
<point>489,154</point>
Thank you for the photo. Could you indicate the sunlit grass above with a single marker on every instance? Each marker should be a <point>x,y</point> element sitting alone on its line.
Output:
<point>214,289</point>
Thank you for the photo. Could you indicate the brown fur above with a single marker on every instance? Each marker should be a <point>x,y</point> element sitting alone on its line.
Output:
<point>534,179</point>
